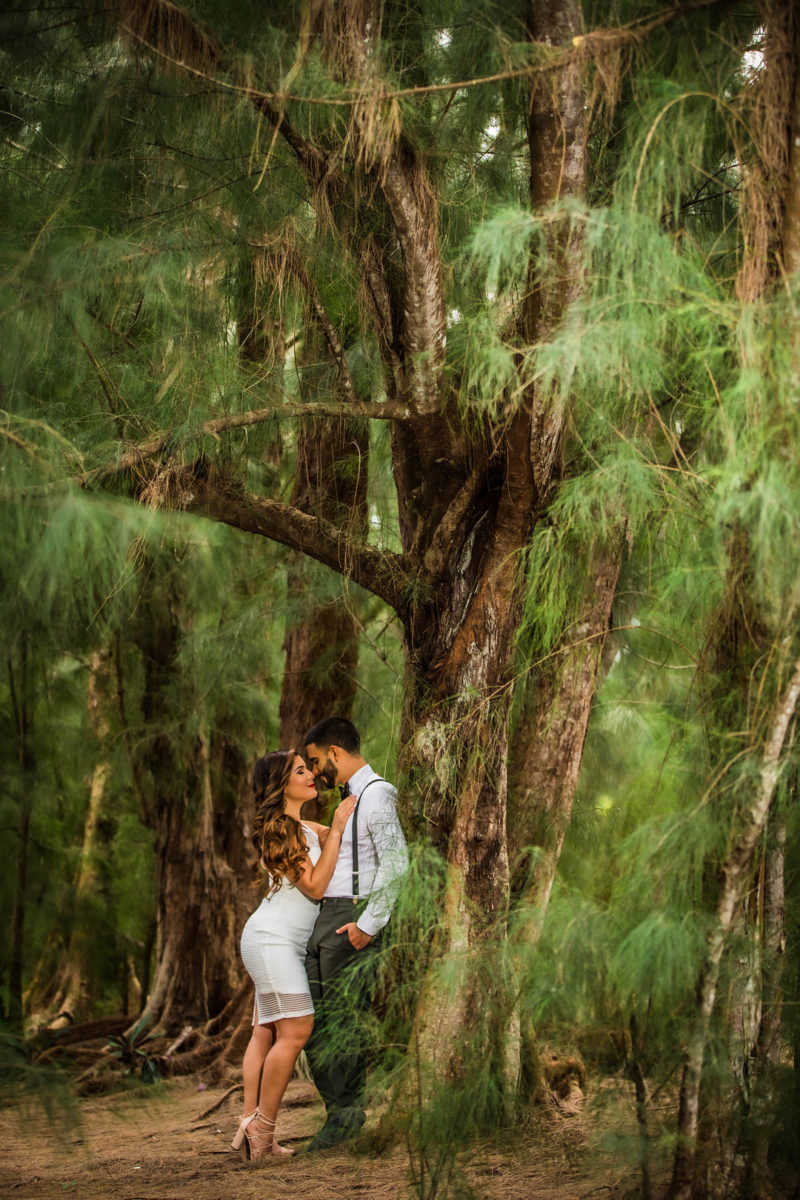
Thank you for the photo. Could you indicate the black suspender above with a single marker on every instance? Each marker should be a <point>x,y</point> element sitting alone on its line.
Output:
<point>355,834</point>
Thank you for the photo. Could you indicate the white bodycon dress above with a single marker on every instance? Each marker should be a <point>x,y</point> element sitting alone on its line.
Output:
<point>274,948</point>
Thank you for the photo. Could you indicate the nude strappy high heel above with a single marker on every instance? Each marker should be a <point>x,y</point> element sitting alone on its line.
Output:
<point>241,1141</point>
<point>255,1138</point>
<point>271,1146</point>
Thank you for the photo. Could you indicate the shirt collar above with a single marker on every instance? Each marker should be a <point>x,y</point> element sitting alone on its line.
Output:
<point>360,780</point>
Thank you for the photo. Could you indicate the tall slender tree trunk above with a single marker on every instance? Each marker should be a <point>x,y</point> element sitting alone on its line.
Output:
<point>21,687</point>
<point>321,641</point>
<point>544,763</point>
<point>549,737</point>
<point>734,870</point>
<point>72,990</point>
<point>463,704</point>
<point>768,1050</point>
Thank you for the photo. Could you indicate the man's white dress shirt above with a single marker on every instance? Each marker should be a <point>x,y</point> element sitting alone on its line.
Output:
<point>382,851</point>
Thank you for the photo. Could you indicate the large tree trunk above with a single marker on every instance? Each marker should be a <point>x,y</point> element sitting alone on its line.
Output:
<point>195,808</point>
<point>461,651</point>
<point>456,726</point>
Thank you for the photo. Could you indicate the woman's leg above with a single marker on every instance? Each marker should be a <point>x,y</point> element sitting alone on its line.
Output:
<point>261,1040</point>
<point>291,1035</point>
<point>257,1050</point>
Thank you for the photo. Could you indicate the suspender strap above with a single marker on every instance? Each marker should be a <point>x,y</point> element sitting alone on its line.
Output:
<point>355,834</point>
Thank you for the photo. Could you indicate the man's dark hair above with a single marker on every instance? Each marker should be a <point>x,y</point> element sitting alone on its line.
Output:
<point>334,731</point>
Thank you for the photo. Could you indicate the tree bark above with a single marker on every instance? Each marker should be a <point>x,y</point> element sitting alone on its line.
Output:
<point>549,737</point>
<point>320,642</point>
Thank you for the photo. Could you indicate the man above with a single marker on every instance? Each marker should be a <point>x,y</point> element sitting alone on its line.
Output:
<point>353,915</point>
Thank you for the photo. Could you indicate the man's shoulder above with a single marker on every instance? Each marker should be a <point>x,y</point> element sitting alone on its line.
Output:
<point>375,789</point>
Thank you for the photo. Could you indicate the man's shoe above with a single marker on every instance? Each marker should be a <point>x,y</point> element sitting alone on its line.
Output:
<point>342,1125</point>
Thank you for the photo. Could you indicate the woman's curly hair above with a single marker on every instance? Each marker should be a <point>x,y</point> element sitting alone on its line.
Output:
<point>277,837</point>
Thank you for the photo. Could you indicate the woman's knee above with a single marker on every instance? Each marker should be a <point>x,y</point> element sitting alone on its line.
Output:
<point>262,1035</point>
<point>296,1030</point>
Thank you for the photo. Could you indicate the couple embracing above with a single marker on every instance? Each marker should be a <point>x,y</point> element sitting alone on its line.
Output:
<point>329,892</point>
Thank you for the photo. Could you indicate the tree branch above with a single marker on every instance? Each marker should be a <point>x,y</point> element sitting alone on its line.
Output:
<point>583,48</point>
<point>319,167</point>
<point>171,33</point>
<point>379,304</point>
<point>136,456</point>
<point>412,204</point>
<point>381,572</point>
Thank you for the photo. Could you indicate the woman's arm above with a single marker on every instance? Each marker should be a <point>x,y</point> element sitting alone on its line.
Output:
<point>315,878</point>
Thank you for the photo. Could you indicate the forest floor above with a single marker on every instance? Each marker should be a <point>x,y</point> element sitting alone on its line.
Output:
<point>153,1143</point>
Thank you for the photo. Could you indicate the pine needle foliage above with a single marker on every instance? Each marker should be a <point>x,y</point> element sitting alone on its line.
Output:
<point>149,210</point>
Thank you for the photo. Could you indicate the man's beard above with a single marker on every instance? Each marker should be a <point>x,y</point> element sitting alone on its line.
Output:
<point>326,776</point>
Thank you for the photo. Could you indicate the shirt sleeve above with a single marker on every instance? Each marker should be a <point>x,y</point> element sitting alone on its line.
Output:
<point>391,852</point>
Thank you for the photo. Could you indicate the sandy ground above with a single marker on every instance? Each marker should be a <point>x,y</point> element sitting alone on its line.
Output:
<point>151,1144</point>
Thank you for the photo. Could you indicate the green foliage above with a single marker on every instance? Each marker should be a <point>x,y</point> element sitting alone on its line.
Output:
<point>38,1088</point>
<point>139,207</point>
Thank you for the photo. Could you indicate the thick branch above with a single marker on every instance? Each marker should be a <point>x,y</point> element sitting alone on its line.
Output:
<point>383,573</point>
<point>412,204</point>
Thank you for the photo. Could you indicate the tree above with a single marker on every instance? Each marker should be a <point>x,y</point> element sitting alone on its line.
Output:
<point>467,495</point>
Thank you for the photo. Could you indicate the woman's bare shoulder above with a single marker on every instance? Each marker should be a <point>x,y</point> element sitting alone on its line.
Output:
<point>321,831</point>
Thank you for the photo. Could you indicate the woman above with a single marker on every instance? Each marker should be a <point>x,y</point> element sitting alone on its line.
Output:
<point>296,860</point>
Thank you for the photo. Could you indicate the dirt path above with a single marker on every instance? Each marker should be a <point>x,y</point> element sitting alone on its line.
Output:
<point>149,1145</point>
